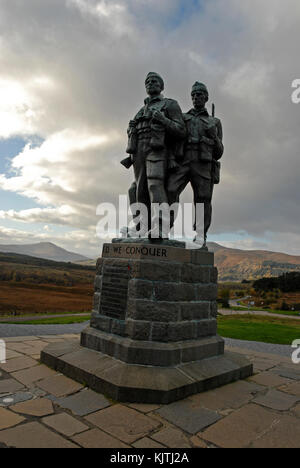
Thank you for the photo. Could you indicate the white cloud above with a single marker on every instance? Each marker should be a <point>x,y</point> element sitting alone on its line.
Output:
<point>72,73</point>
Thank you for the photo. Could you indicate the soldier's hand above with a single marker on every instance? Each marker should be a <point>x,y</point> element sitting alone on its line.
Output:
<point>157,115</point>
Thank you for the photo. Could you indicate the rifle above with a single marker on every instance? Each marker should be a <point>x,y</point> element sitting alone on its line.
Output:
<point>216,165</point>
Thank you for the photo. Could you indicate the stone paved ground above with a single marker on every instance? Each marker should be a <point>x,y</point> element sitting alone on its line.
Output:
<point>41,408</point>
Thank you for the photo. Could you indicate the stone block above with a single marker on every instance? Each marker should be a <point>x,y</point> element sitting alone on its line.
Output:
<point>200,257</point>
<point>140,289</point>
<point>214,309</point>
<point>96,305</point>
<point>101,322</point>
<point>191,273</point>
<point>99,266</point>
<point>214,275</point>
<point>206,327</point>
<point>159,332</point>
<point>156,311</point>
<point>138,330</point>
<point>195,310</point>
<point>118,327</point>
<point>174,292</point>
<point>156,271</point>
<point>206,292</point>
<point>98,283</point>
<point>182,331</point>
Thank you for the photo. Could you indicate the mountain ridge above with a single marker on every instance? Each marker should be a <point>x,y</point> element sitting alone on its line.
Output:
<point>232,264</point>
<point>46,250</point>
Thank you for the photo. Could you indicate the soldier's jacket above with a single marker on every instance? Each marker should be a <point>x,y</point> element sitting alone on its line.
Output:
<point>199,145</point>
<point>154,140</point>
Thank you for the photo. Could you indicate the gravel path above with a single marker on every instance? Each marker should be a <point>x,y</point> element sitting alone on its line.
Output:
<point>12,330</point>
<point>7,330</point>
<point>269,348</point>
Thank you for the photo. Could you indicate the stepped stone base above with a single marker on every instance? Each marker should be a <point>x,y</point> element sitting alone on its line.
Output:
<point>153,332</point>
<point>144,384</point>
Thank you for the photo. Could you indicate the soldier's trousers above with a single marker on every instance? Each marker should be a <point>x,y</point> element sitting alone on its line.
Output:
<point>178,180</point>
<point>150,178</point>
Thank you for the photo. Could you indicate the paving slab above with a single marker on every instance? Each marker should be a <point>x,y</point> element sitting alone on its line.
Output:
<point>18,347</point>
<point>288,372</point>
<point>144,407</point>
<point>284,434</point>
<point>8,419</point>
<point>33,374</point>
<point>230,396</point>
<point>14,398</point>
<point>147,443</point>
<point>196,442</point>
<point>17,364</point>
<point>11,354</point>
<point>84,402</point>
<point>21,339</point>
<point>187,415</point>
<point>269,379</point>
<point>95,438</point>
<point>277,400</point>
<point>65,424</point>
<point>241,428</point>
<point>33,435</point>
<point>262,364</point>
<point>10,386</point>
<point>296,410</point>
<point>172,438</point>
<point>59,385</point>
<point>123,423</point>
<point>39,407</point>
<point>292,389</point>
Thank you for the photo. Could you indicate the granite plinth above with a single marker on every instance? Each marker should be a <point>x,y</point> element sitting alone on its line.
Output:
<point>145,384</point>
<point>153,331</point>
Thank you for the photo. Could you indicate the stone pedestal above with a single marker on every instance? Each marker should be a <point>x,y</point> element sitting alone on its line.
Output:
<point>153,332</point>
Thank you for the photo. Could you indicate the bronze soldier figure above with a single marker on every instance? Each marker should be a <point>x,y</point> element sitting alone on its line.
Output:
<point>200,166</point>
<point>154,136</point>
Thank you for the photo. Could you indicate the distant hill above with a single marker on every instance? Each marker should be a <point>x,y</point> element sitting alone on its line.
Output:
<point>45,250</point>
<point>233,264</point>
<point>236,265</point>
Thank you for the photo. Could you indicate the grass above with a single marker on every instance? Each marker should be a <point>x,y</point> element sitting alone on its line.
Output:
<point>258,328</point>
<point>53,321</point>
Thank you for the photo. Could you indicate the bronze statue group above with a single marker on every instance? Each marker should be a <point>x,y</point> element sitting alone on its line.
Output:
<point>169,149</point>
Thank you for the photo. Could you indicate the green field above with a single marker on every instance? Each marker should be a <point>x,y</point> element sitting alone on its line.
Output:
<point>53,321</point>
<point>258,328</point>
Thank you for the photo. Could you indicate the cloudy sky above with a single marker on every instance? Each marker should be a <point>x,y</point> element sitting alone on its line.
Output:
<point>72,75</point>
